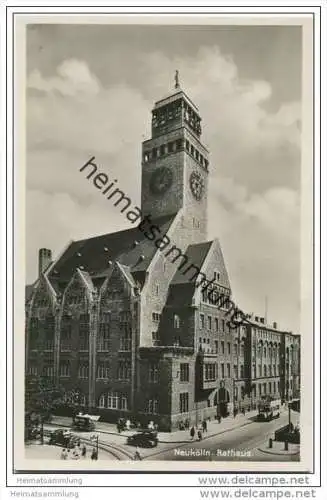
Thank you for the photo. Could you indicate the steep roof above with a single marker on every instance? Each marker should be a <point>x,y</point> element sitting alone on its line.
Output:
<point>196,255</point>
<point>183,283</point>
<point>93,255</point>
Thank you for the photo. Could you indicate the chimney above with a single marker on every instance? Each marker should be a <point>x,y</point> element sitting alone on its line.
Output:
<point>275,325</point>
<point>256,319</point>
<point>262,320</point>
<point>45,258</point>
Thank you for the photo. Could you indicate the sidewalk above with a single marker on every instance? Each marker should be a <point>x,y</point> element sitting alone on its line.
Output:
<point>278,449</point>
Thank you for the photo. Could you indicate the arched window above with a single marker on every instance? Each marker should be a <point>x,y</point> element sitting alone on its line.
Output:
<point>102,401</point>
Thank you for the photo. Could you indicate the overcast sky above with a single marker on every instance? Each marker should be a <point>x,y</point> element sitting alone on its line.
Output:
<point>90,93</point>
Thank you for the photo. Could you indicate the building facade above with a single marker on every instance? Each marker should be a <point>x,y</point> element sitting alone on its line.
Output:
<point>122,318</point>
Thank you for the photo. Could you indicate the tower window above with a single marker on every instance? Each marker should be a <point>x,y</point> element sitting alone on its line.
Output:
<point>179,144</point>
<point>187,145</point>
<point>154,153</point>
<point>192,150</point>
<point>201,159</point>
<point>162,150</point>
<point>196,154</point>
<point>177,322</point>
<point>170,147</point>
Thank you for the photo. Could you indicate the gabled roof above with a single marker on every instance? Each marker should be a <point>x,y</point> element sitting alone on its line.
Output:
<point>196,255</point>
<point>182,288</point>
<point>95,255</point>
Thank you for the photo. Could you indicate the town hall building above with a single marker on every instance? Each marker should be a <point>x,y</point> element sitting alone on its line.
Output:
<point>127,323</point>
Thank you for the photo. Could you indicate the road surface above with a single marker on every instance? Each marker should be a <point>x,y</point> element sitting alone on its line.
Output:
<point>238,444</point>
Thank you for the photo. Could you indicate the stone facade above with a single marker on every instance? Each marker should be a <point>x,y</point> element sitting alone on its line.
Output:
<point>126,325</point>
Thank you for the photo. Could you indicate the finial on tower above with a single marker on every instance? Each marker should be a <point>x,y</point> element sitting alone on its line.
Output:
<point>176,79</point>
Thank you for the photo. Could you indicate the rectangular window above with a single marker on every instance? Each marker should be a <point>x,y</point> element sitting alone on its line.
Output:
<point>170,147</point>
<point>84,332</point>
<point>228,370</point>
<point>102,371</point>
<point>124,370</point>
<point>66,333</point>
<point>202,321</point>
<point>83,370</point>
<point>235,372</point>
<point>210,372</point>
<point>113,400</point>
<point>125,341</point>
<point>156,317</point>
<point>223,325</point>
<point>222,346</point>
<point>183,402</point>
<point>48,371</point>
<point>184,372</point>
<point>104,332</point>
<point>228,347</point>
<point>260,370</point>
<point>155,338</point>
<point>64,369</point>
<point>242,371</point>
<point>49,333</point>
<point>162,150</point>
<point>153,372</point>
<point>235,349</point>
<point>216,346</point>
<point>209,322</point>
<point>33,369</point>
<point>152,406</point>
<point>222,370</point>
<point>216,324</point>
<point>123,403</point>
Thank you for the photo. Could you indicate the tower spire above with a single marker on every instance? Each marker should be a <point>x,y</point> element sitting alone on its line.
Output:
<point>177,79</point>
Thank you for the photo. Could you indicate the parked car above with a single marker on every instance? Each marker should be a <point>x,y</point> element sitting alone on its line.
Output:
<point>61,437</point>
<point>144,439</point>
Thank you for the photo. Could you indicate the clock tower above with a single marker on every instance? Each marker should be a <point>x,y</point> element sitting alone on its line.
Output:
<point>175,163</point>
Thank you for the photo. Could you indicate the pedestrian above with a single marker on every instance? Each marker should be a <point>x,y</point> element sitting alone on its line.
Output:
<point>137,454</point>
<point>192,432</point>
<point>199,434</point>
<point>83,451</point>
<point>94,455</point>
<point>204,426</point>
<point>63,455</point>
<point>219,419</point>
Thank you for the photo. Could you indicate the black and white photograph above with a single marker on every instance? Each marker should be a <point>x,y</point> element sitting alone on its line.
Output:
<point>166,288</point>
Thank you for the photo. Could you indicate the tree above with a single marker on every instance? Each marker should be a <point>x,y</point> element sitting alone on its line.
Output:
<point>73,400</point>
<point>42,397</point>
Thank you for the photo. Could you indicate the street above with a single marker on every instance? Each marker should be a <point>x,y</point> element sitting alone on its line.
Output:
<point>238,444</point>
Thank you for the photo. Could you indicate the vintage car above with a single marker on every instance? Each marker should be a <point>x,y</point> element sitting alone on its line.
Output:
<point>144,438</point>
<point>84,422</point>
<point>62,437</point>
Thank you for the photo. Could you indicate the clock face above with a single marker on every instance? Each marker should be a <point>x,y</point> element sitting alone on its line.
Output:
<point>197,185</point>
<point>161,180</point>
